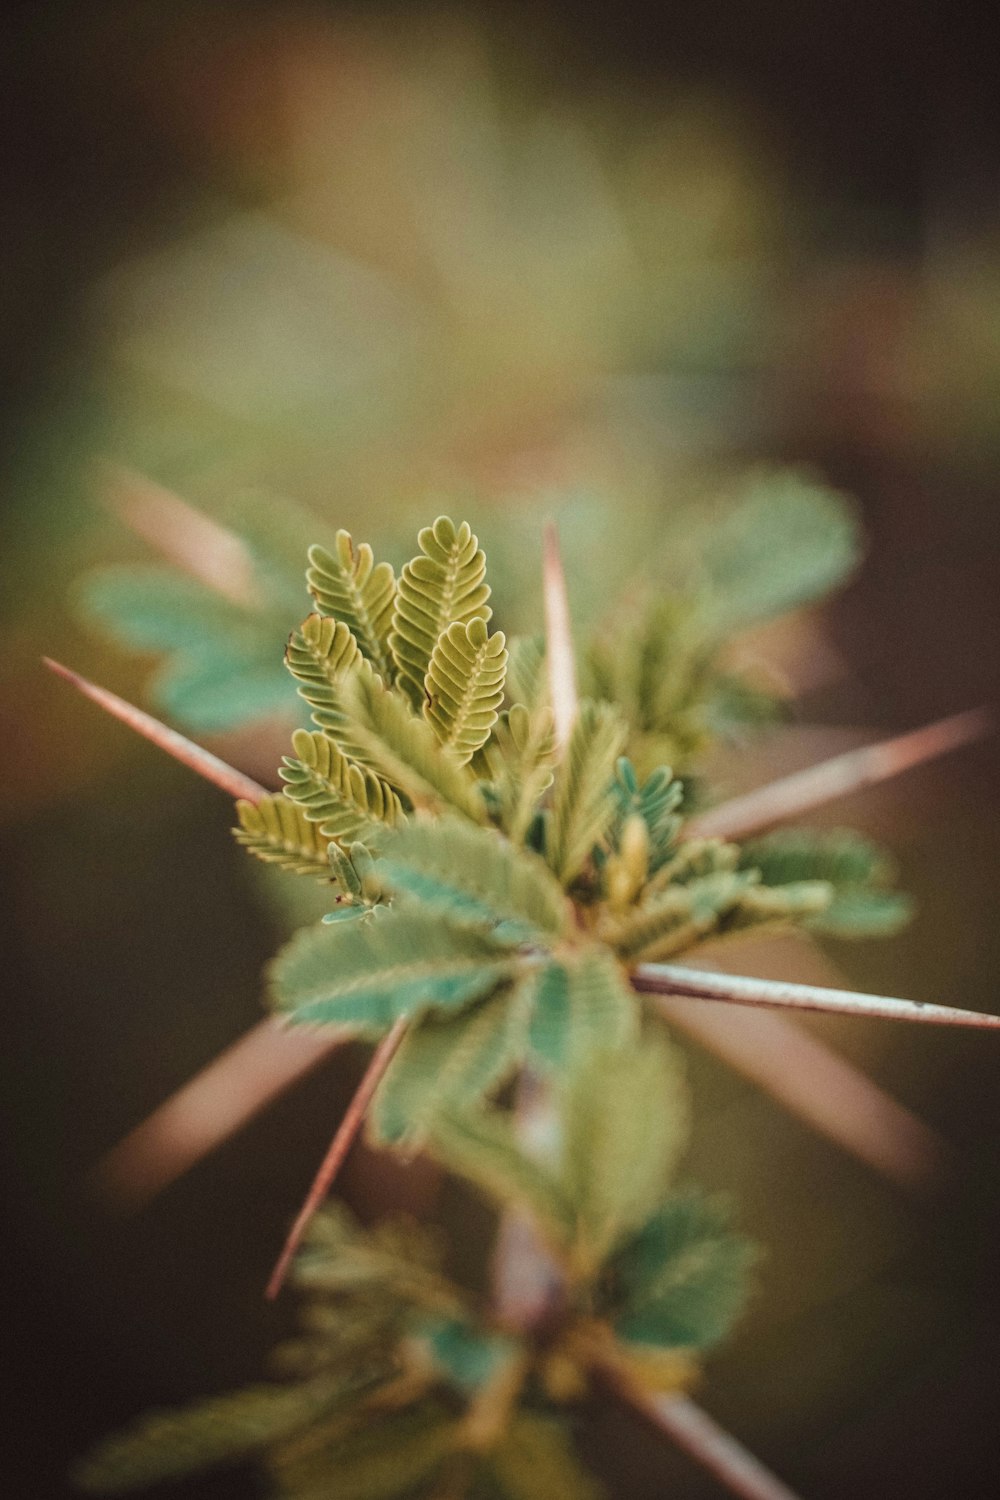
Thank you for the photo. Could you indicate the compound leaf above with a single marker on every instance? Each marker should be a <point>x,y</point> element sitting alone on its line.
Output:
<point>582,800</point>
<point>350,586</point>
<point>367,973</point>
<point>344,798</point>
<point>445,585</point>
<point>577,1005</point>
<point>464,686</point>
<point>278,832</point>
<point>473,875</point>
<point>319,655</point>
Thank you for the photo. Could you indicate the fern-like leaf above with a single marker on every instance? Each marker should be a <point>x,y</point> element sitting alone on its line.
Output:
<point>344,798</point>
<point>579,1005</point>
<point>350,586</point>
<point>472,875</point>
<point>681,1281</point>
<point>520,755</point>
<point>680,917</point>
<point>582,801</point>
<point>168,1445</point>
<point>319,655</point>
<point>445,585</point>
<point>464,686</point>
<point>375,727</point>
<point>625,1122</point>
<point>278,832</point>
<point>448,1063</point>
<point>482,1147</point>
<point>365,975</point>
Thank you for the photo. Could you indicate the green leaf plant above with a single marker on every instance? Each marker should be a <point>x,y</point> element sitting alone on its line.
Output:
<point>512,877</point>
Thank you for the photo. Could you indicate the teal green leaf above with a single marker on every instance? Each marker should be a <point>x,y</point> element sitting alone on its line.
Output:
<point>582,798</point>
<point>444,586</point>
<point>464,686</point>
<point>787,541</point>
<point>349,585</point>
<point>534,1460</point>
<point>448,1063</point>
<point>363,975</point>
<point>375,727</point>
<point>344,798</point>
<point>577,1005</point>
<point>473,875</point>
<point>683,1279</point>
<point>625,1123</point>
<point>278,832</point>
<point>862,902</point>
<point>467,1357</point>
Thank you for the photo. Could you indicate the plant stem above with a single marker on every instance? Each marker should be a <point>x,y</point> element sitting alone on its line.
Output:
<point>739,989</point>
<point>838,777</point>
<point>182,749</point>
<point>341,1144</point>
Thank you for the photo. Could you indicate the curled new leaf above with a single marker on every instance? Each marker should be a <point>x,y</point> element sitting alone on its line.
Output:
<point>319,656</point>
<point>464,686</point>
<point>375,727</point>
<point>278,832</point>
<point>445,585</point>
<point>344,798</point>
<point>348,585</point>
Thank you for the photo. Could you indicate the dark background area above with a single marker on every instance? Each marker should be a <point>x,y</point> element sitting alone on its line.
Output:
<point>133,941</point>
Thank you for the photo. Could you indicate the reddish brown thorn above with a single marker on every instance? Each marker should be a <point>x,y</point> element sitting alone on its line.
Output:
<point>220,1099</point>
<point>738,989</point>
<point>181,533</point>
<point>838,777</point>
<point>342,1142</point>
<point>186,751</point>
<point>817,1085</point>
<point>559,656</point>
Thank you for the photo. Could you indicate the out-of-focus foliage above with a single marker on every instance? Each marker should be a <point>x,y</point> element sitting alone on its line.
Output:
<point>399,1376</point>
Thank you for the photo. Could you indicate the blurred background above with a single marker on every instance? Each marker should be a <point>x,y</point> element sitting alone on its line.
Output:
<point>590,261</point>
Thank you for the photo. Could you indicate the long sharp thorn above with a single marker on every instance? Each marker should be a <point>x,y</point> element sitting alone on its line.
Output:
<point>559,656</point>
<point>186,751</point>
<point>335,1157</point>
<point>698,1435</point>
<point>817,1085</point>
<point>212,1106</point>
<point>739,989</point>
<point>839,777</point>
<point>183,534</point>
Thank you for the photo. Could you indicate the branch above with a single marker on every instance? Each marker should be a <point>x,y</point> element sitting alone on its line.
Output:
<point>186,751</point>
<point>838,777</point>
<point>559,657</point>
<point>738,989</point>
<point>217,1102</point>
<point>184,535</point>
<point>343,1140</point>
<point>700,1436</point>
<point>817,1085</point>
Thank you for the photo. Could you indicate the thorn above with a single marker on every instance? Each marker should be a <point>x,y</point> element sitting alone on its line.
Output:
<point>826,1091</point>
<point>698,1435</point>
<point>183,534</point>
<point>212,1106</point>
<point>839,777</point>
<point>343,1140</point>
<point>559,655</point>
<point>182,749</point>
<point>739,989</point>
